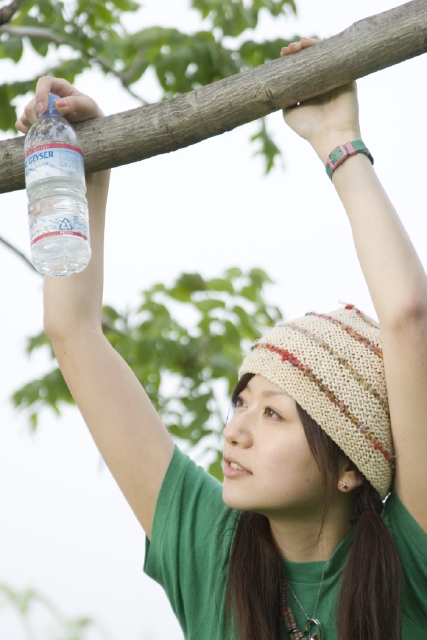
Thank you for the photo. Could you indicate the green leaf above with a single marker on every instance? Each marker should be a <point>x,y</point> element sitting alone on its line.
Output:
<point>259,276</point>
<point>50,390</point>
<point>235,16</point>
<point>250,293</point>
<point>221,284</point>
<point>68,69</point>
<point>215,468</point>
<point>208,305</point>
<point>233,273</point>
<point>126,5</point>
<point>33,421</point>
<point>191,282</point>
<point>37,341</point>
<point>268,148</point>
<point>253,53</point>
<point>7,111</point>
<point>40,46</point>
<point>231,16</point>
<point>12,48</point>
<point>100,14</point>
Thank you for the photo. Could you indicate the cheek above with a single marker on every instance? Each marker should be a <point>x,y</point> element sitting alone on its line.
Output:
<point>291,467</point>
<point>285,474</point>
<point>288,451</point>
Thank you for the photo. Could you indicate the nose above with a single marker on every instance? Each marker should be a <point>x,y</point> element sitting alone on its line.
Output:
<point>237,432</point>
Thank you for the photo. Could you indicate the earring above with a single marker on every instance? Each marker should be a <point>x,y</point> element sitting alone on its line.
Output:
<point>342,485</point>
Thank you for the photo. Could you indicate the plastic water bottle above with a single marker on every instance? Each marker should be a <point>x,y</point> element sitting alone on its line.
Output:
<point>56,188</point>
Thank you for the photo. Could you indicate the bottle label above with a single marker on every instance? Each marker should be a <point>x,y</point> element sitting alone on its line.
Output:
<point>52,160</point>
<point>49,226</point>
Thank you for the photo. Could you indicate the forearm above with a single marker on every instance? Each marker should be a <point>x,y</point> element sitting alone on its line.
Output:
<point>394,274</point>
<point>75,300</point>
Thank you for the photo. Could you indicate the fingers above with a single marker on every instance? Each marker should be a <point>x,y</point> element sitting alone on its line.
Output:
<point>78,107</point>
<point>72,104</point>
<point>294,47</point>
<point>46,85</point>
<point>28,117</point>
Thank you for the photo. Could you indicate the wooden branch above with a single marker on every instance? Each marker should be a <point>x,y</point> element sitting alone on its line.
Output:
<point>91,55</point>
<point>18,253</point>
<point>6,13</point>
<point>366,47</point>
<point>32,32</point>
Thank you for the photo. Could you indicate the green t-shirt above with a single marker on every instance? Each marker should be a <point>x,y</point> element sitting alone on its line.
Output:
<point>190,543</point>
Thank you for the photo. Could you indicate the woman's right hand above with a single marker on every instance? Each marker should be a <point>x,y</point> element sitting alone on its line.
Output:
<point>72,104</point>
<point>328,119</point>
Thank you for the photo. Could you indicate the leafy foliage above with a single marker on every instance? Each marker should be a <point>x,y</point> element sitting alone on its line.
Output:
<point>90,33</point>
<point>233,17</point>
<point>268,148</point>
<point>28,602</point>
<point>184,344</point>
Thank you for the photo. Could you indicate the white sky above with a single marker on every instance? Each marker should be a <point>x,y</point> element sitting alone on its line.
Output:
<point>65,528</point>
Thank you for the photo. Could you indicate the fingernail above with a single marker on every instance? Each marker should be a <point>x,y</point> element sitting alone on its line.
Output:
<point>60,102</point>
<point>40,108</point>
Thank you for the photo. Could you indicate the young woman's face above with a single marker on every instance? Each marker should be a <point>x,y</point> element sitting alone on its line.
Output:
<point>266,438</point>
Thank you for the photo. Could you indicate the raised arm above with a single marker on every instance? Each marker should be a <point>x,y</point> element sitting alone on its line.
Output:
<point>394,275</point>
<point>125,426</point>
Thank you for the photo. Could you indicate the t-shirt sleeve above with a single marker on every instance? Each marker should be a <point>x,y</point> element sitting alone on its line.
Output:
<point>411,542</point>
<point>190,542</point>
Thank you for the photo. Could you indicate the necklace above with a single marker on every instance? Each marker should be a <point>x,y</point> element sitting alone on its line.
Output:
<point>290,623</point>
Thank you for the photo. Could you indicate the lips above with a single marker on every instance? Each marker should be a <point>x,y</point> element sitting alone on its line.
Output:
<point>233,467</point>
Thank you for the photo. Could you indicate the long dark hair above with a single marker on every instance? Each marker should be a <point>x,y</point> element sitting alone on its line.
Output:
<point>369,605</point>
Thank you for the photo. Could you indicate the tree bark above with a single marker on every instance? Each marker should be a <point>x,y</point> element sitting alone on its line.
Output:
<point>367,46</point>
<point>6,13</point>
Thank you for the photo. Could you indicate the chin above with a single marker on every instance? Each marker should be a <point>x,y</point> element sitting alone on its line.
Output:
<point>235,501</point>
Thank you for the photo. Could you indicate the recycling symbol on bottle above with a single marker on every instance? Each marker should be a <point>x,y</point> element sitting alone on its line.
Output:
<point>65,225</point>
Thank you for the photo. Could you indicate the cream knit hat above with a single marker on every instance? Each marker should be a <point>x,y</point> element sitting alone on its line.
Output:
<point>332,365</point>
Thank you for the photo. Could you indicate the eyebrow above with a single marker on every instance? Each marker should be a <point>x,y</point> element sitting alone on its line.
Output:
<point>268,394</point>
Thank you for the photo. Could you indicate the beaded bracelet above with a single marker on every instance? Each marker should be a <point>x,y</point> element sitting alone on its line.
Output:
<point>344,151</point>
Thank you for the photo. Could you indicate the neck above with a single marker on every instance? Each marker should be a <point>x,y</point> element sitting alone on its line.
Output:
<point>304,539</point>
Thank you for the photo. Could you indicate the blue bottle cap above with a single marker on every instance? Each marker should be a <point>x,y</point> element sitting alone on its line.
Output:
<point>51,109</point>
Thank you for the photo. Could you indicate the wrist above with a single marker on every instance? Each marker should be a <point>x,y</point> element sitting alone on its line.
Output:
<point>342,152</point>
<point>98,178</point>
<point>323,145</point>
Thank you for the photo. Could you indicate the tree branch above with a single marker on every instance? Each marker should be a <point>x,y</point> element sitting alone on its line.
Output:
<point>7,12</point>
<point>367,46</point>
<point>106,326</point>
<point>127,75</point>
<point>32,32</point>
<point>108,67</point>
<point>18,253</point>
<point>91,55</point>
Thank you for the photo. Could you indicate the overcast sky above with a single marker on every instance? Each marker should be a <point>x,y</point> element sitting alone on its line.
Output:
<point>65,528</point>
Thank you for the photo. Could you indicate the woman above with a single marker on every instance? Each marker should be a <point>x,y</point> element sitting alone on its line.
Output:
<point>330,417</point>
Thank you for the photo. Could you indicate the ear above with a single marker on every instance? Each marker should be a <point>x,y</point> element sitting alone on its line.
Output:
<point>350,478</point>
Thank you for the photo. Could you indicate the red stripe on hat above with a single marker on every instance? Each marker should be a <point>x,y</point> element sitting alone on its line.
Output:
<point>287,356</point>
<point>360,379</point>
<point>351,332</point>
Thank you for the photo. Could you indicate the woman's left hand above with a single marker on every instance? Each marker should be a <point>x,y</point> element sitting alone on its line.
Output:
<point>331,118</point>
<point>74,105</point>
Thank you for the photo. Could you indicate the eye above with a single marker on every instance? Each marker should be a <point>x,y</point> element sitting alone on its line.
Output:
<point>271,413</point>
<point>239,402</point>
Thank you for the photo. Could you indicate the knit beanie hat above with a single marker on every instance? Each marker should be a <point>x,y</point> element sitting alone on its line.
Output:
<point>332,365</point>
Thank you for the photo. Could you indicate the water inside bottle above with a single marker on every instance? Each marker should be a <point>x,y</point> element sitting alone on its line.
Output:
<point>59,227</point>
